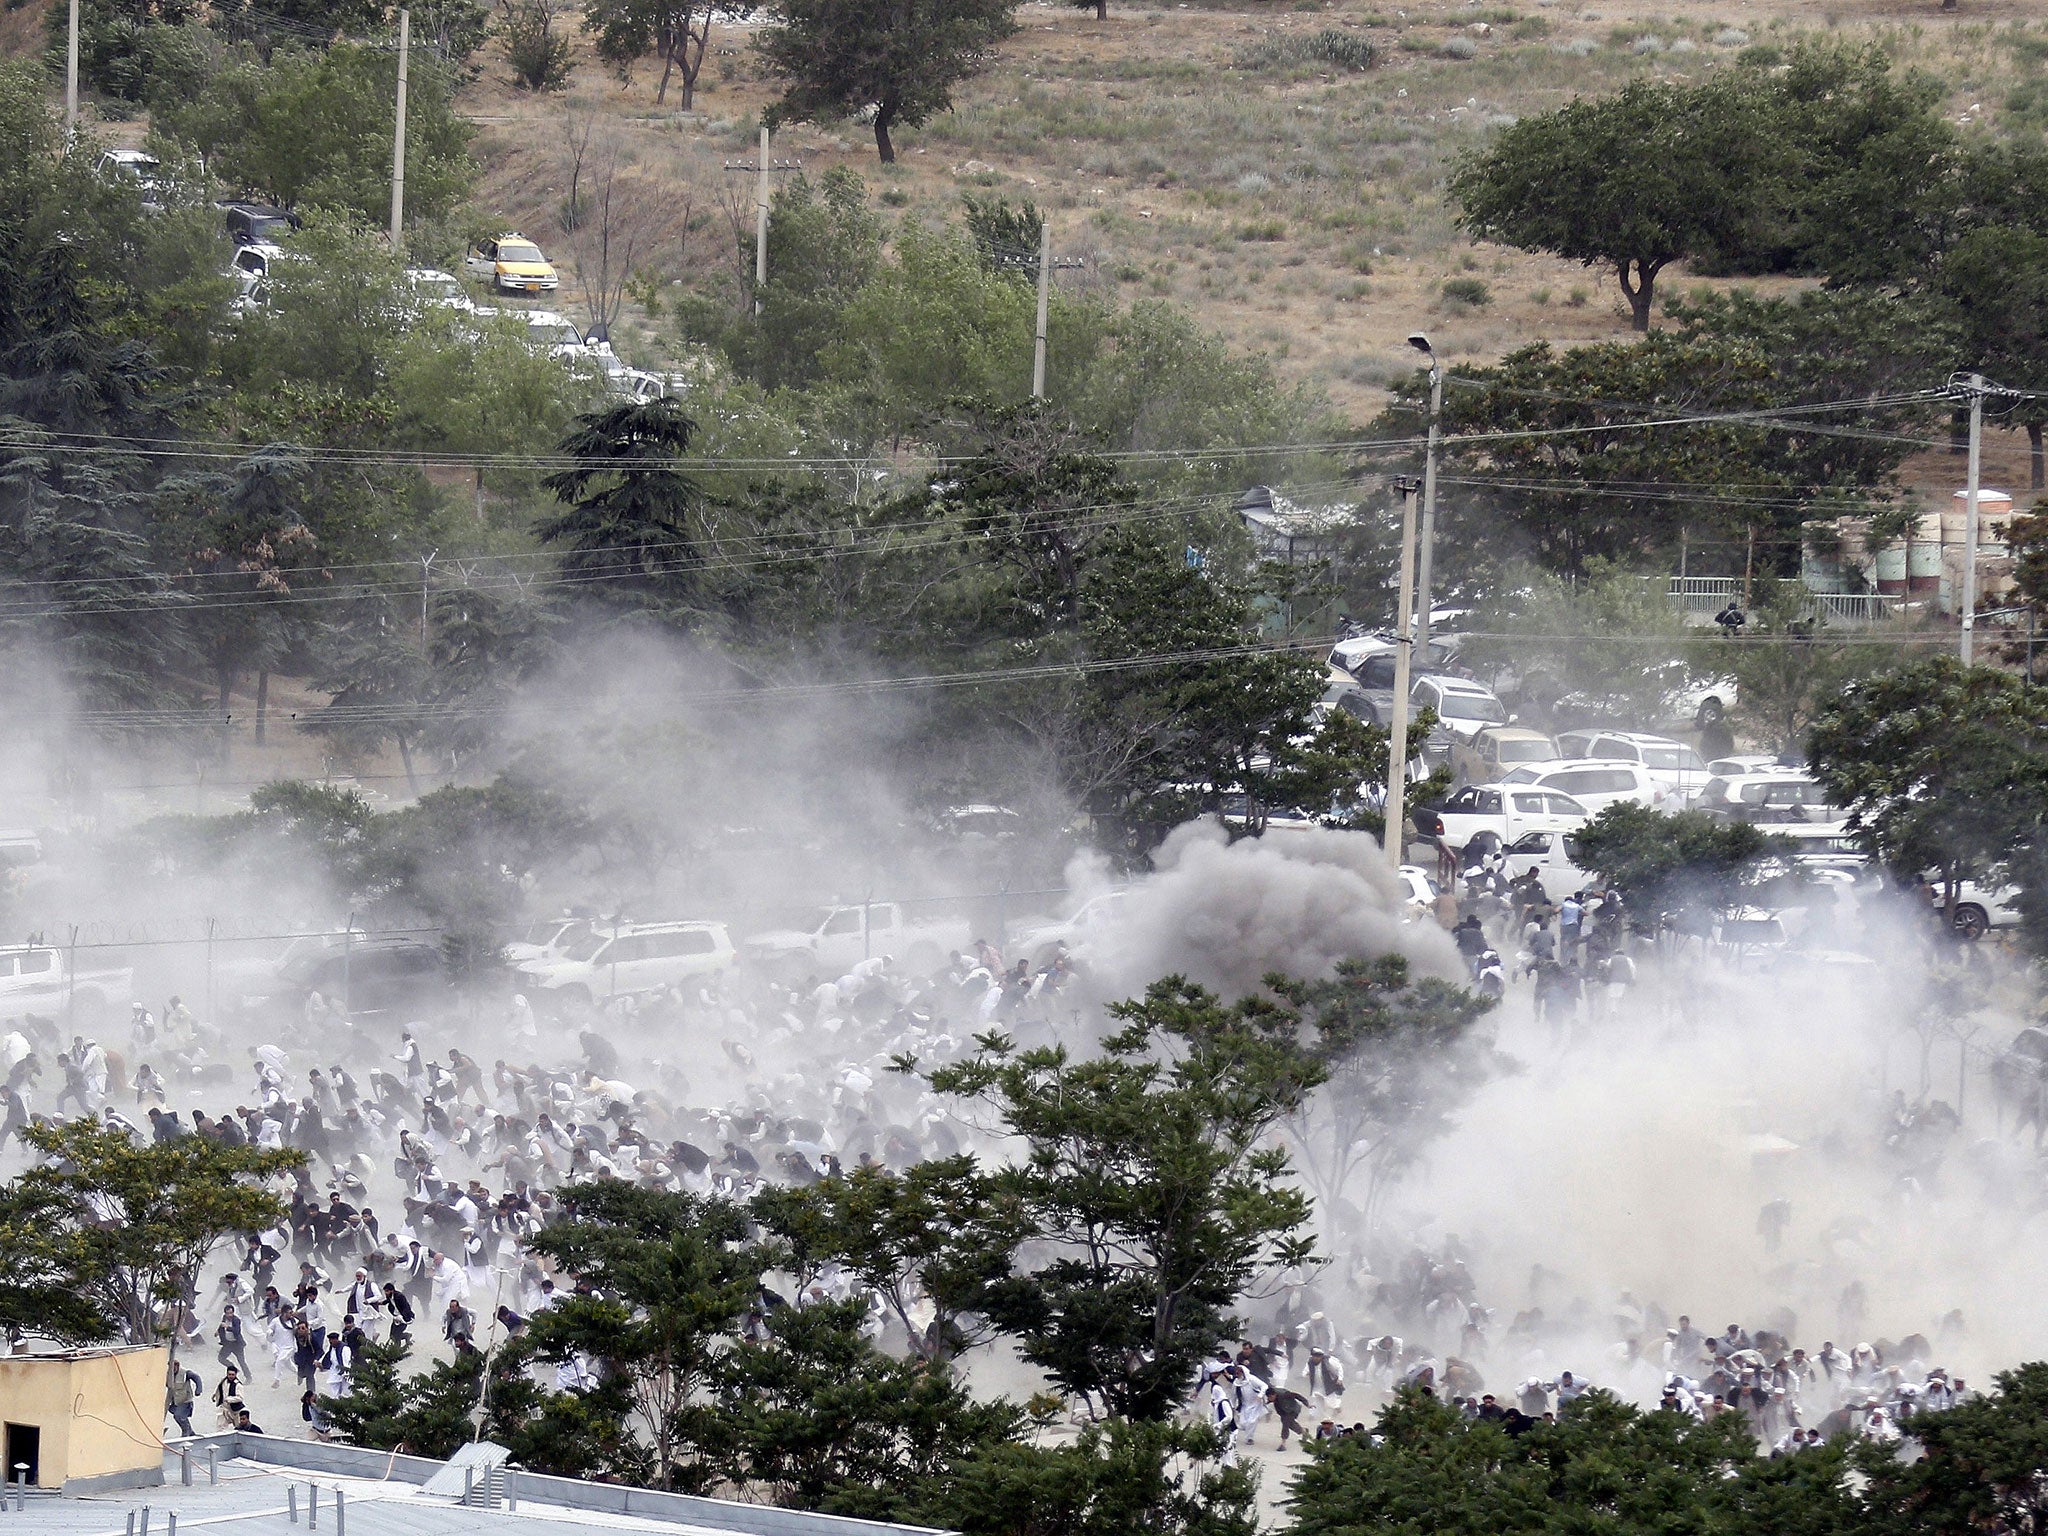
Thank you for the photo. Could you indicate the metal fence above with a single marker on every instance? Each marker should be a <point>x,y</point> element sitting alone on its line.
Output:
<point>1710,594</point>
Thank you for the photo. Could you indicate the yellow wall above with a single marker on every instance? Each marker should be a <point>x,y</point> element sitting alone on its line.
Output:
<point>101,1413</point>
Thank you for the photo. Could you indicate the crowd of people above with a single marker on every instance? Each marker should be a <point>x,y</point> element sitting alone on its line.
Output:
<point>427,1171</point>
<point>1305,1369</point>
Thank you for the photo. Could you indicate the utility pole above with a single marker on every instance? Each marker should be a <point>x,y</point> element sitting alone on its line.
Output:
<point>1045,270</point>
<point>1975,385</point>
<point>762,168</point>
<point>426,573</point>
<point>398,136</point>
<point>71,79</point>
<point>1395,837</point>
<point>1436,412</point>
<point>1044,301</point>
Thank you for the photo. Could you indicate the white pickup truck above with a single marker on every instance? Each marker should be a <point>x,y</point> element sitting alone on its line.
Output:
<point>835,939</point>
<point>38,979</point>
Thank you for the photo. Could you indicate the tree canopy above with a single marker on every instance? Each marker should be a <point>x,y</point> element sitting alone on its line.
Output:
<point>901,61</point>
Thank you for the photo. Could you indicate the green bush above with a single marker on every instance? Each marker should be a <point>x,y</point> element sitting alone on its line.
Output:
<point>1466,292</point>
<point>1331,47</point>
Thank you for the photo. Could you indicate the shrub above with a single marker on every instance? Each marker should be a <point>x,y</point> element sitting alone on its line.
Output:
<point>540,55</point>
<point>1458,48</point>
<point>1466,293</point>
<point>1263,229</point>
<point>1731,37</point>
<point>1338,50</point>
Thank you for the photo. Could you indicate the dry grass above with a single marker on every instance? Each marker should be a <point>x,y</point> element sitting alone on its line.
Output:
<point>1296,208</point>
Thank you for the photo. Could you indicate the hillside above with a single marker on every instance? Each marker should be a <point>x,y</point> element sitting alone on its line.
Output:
<point>1207,154</point>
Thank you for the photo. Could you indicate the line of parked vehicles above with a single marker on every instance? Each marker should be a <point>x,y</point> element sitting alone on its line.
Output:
<point>508,264</point>
<point>1524,793</point>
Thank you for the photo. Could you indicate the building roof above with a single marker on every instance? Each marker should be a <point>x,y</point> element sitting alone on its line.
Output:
<point>259,1477</point>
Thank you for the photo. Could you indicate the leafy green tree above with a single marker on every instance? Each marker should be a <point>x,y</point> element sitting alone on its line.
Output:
<point>128,1227</point>
<point>1005,234</point>
<point>1792,663</point>
<point>459,857</point>
<point>540,52</point>
<point>1608,640</point>
<point>1997,278</point>
<point>1983,1465</point>
<point>377,686</point>
<point>935,1232</point>
<point>1427,1468</point>
<point>1943,769</point>
<point>314,129</point>
<point>824,246</point>
<point>1400,1051</point>
<point>675,31</point>
<point>246,541</point>
<point>1118,1476</point>
<point>821,1419</point>
<point>136,50</point>
<point>1229,731</point>
<point>842,57</point>
<point>632,520</point>
<point>674,1276</point>
<point>1667,863</point>
<point>1633,181</point>
<point>1150,1170</point>
<point>335,312</point>
<point>1035,496</point>
<point>1870,176</point>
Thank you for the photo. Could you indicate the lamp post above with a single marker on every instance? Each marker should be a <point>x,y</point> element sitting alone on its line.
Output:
<point>1427,558</point>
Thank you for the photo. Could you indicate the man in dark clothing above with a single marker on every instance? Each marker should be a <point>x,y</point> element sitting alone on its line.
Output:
<point>399,1309</point>
<point>1287,1407</point>
<point>229,1333</point>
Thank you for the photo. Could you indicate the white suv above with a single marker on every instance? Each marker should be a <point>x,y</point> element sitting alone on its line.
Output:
<point>630,959</point>
<point>1463,708</point>
<point>1594,783</point>
<point>1485,816</point>
<point>1671,763</point>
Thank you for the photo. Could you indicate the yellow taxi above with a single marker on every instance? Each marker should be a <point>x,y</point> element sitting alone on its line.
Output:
<point>511,264</point>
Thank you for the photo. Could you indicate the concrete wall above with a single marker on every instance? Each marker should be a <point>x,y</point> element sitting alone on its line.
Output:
<point>101,1415</point>
<point>564,1492</point>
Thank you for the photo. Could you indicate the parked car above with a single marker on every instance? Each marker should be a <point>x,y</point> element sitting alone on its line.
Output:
<point>1555,858</point>
<point>1419,890</point>
<point>251,264</point>
<point>1463,708</point>
<point>441,290</point>
<point>1672,763</point>
<point>834,939</point>
<point>1037,942</point>
<point>625,961</point>
<point>136,168</point>
<point>1685,698</point>
<point>255,223</point>
<point>548,938</point>
<point>40,979</point>
<point>1481,817</point>
<point>1980,908</point>
<point>511,264</point>
<point>1595,784</point>
<point>1495,750</point>
<point>366,975</point>
<point>1744,764</point>
<point>1769,799</point>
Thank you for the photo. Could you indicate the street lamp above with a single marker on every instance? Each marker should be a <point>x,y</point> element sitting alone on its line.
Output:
<point>1420,343</point>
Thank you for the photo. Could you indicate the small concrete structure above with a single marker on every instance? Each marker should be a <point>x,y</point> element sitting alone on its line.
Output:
<point>85,1420</point>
